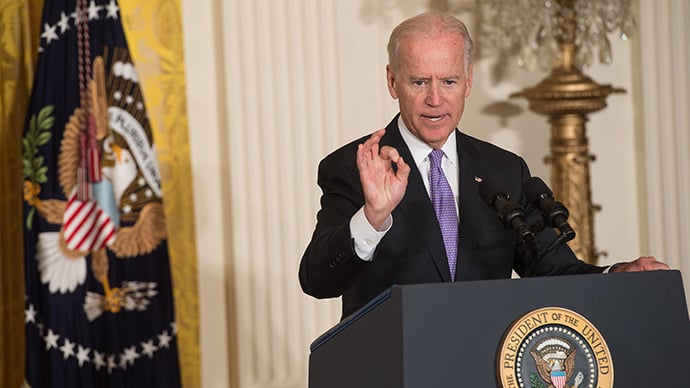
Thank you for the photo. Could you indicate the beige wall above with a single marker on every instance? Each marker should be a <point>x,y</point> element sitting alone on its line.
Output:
<point>274,85</point>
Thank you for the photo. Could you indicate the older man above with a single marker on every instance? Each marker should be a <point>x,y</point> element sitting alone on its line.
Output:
<point>401,206</point>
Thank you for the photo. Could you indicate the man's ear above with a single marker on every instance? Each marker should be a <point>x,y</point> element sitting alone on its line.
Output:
<point>390,79</point>
<point>468,89</point>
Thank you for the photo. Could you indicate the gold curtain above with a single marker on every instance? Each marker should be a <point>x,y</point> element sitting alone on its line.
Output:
<point>154,32</point>
<point>19,33</point>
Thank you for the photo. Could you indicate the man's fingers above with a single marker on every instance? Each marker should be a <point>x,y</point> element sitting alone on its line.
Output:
<point>390,153</point>
<point>370,148</point>
<point>403,169</point>
<point>378,134</point>
<point>374,139</point>
<point>644,263</point>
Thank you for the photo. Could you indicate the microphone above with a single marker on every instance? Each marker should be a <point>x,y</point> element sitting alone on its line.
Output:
<point>511,215</point>
<point>555,213</point>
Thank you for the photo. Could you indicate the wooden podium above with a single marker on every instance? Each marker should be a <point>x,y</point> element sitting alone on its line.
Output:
<point>453,334</point>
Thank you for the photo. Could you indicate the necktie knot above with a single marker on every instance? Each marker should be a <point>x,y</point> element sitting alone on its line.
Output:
<point>435,157</point>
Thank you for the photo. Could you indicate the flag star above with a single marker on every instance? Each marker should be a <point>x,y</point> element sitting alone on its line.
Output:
<point>130,355</point>
<point>49,33</point>
<point>63,23</point>
<point>148,348</point>
<point>30,314</point>
<point>112,10</point>
<point>51,339</point>
<point>67,349</point>
<point>140,105</point>
<point>174,327</point>
<point>94,10</point>
<point>83,355</point>
<point>129,99</point>
<point>117,95</point>
<point>164,340</point>
<point>111,363</point>
<point>98,360</point>
<point>123,362</point>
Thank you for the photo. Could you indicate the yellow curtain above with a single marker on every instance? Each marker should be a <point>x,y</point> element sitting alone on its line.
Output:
<point>154,33</point>
<point>18,44</point>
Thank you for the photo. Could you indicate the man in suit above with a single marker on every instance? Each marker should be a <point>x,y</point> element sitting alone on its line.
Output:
<point>379,223</point>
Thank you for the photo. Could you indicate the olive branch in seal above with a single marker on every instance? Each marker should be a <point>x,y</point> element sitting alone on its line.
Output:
<point>35,172</point>
<point>535,382</point>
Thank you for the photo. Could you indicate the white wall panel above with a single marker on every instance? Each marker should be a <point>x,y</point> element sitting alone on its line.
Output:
<point>283,68</point>
<point>664,133</point>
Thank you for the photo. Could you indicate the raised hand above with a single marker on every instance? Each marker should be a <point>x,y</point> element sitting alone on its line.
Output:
<point>383,186</point>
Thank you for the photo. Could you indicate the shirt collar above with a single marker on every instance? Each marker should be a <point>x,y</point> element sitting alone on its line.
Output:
<point>420,150</point>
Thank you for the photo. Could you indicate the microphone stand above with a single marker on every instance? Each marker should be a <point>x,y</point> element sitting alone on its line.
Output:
<point>533,258</point>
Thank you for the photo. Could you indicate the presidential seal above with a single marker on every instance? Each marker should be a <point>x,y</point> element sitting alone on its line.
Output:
<point>553,347</point>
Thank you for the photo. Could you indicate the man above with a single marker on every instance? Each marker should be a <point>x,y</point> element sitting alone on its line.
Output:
<point>382,220</point>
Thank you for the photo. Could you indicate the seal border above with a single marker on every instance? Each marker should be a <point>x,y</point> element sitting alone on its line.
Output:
<point>515,335</point>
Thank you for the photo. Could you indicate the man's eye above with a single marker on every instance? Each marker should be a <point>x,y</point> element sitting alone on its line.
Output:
<point>419,82</point>
<point>449,82</point>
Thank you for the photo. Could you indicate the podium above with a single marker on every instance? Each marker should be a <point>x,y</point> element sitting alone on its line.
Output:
<point>451,334</point>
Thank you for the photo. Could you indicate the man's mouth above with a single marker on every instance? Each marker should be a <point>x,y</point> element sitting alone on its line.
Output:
<point>433,118</point>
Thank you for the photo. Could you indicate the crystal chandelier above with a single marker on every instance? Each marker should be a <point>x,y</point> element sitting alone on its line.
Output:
<point>533,31</point>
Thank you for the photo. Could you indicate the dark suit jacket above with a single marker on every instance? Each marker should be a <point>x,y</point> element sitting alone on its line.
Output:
<point>412,251</point>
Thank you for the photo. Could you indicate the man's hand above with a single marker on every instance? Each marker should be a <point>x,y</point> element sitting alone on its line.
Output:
<point>645,263</point>
<point>383,187</point>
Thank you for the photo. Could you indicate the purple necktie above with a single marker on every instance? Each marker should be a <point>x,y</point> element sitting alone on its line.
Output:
<point>444,205</point>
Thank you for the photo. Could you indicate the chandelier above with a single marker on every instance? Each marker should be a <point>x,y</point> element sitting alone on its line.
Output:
<point>534,30</point>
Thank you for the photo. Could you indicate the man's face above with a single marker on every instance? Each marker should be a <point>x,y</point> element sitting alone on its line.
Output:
<point>431,85</point>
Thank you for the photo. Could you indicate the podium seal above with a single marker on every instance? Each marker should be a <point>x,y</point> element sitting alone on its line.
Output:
<point>554,347</point>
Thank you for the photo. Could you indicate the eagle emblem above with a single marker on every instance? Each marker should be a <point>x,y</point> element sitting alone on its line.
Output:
<point>107,170</point>
<point>555,360</point>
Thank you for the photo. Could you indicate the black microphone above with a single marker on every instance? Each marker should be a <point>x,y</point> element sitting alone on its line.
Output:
<point>511,215</point>
<point>555,213</point>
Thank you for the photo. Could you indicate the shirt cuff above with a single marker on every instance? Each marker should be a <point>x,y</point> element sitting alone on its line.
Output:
<point>365,237</point>
<point>612,267</point>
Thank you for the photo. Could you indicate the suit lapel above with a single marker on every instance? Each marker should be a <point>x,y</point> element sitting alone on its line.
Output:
<point>472,208</point>
<point>416,205</point>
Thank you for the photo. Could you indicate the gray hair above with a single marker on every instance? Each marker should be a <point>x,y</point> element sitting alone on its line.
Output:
<point>429,24</point>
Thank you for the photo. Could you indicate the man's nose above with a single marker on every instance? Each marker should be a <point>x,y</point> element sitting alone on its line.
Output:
<point>433,96</point>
